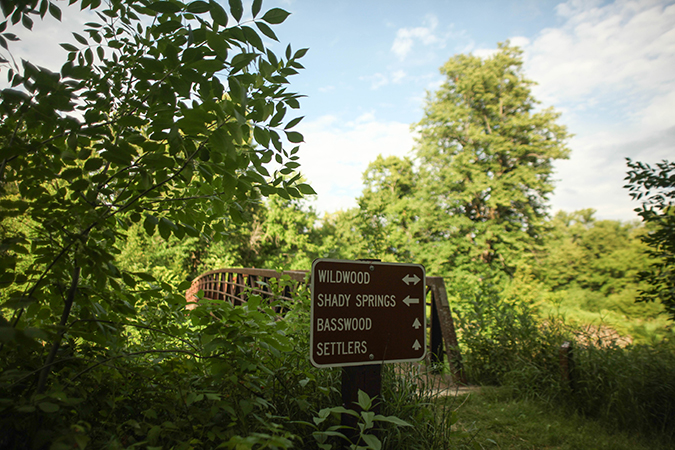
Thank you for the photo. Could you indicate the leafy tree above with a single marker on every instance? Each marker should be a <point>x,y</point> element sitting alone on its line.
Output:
<point>165,115</point>
<point>601,256</point>
<point>486,157</point>
<point>474,196</point>
<point>588,271</point>
<point>388,207</point>
<point>282,234</point>
<point>655,186</point>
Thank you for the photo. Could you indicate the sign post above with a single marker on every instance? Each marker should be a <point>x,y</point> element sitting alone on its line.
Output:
<point>365,313</point>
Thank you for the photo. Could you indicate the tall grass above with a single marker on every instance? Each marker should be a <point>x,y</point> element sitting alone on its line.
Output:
<point>632,387</point>
<point>506,343</point>
<point>412,393</point>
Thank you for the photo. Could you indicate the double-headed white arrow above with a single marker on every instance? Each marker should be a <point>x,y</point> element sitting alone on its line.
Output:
<point>414,279</point>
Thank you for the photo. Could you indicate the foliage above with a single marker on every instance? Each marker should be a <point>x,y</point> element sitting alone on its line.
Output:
<point>485,158</point>
<point>655,186</point>
<point>287,236</point>
<point>498,420</point>
<point>602,256</point>
<point>505,343</point>
<point>349,235</point>
<point>163,121</point>
<point>631,388</point>
<point>472,200</point>
<point>189,381</point>
<point>278,233</point>
<point>500,332</point>
<point>367,421</point>
<point>590,268</point>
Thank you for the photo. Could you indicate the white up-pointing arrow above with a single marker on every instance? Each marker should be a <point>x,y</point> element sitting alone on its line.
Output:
<point>411,301</point>
<point>408,278</point>
<point>416,345</point>
<point>416,324</point>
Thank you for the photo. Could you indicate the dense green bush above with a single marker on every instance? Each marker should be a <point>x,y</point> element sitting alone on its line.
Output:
<point>505,342</point>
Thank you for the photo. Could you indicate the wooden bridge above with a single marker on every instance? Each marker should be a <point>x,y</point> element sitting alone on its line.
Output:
<point>235,285</point>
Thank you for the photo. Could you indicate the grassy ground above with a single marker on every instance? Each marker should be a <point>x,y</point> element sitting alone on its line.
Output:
<point>494,420</point>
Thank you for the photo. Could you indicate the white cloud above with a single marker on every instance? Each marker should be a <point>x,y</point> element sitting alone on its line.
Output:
<point>379,80</point>
<point>520,41</point>
<point>398,76</point>
<point>484,52</point>
<point>626,48</point>
<point>336,154</point>
<point>407,37</point>
<point>610,68</point>
<point>376,80</point>
<point>41,45</point>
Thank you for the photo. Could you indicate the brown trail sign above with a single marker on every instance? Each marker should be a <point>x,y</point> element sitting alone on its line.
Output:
<point>366,312</point>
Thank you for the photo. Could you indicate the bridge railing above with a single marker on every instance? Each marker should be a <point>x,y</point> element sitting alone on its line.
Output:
<point>235,285</point>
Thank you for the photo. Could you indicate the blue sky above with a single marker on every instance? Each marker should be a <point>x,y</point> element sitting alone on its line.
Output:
<point>608,67</point>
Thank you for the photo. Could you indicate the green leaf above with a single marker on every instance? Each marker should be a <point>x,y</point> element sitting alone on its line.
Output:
<point>218,14</point>
<point>253,38</point>
<point>48,407</point>
<point>236,9</point>
<point>7,334</point>
<point>167,27</point>
<point>266,30</point>
<point>294,137</point>
<point>392,419</point>
<point>165,227</point>
<point>255,8</point>
<point>70,173</point>
<point>149,224</point>
<point>300,53</point>
<point>26,408</point>
<point>371,441</point>
<point>364,401</point>
<point>293,122</point>
<point>93,164</point>
<point>275,16</point>
<point>80,39</point>
<point>305,189</point>
<point>55,11</point>
<point>131,121</point>
<point>208,65</point>
<point>198,7</point>
<point>242,60</point>
<point>262,136</point>
<point>184,285</point>
<point>79,185</point>
<point>68,47</point>
<point>27,21</point>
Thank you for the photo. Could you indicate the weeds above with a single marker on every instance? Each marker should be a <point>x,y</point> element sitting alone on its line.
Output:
<point>628,388</point>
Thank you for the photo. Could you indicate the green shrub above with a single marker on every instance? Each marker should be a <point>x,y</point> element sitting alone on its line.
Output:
<point>504,342</point>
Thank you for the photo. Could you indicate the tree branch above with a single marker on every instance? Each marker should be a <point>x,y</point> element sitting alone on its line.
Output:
<point>44,373</point>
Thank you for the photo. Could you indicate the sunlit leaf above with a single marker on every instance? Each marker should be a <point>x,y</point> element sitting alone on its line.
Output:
<point>275,16</point>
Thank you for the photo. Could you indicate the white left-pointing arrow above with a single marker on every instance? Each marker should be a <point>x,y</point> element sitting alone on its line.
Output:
<point>416,324</point>
<point>411,301</point>
<point>416,345</point>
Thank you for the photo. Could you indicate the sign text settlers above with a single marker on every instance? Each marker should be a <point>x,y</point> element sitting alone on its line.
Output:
<point>367,313</point>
